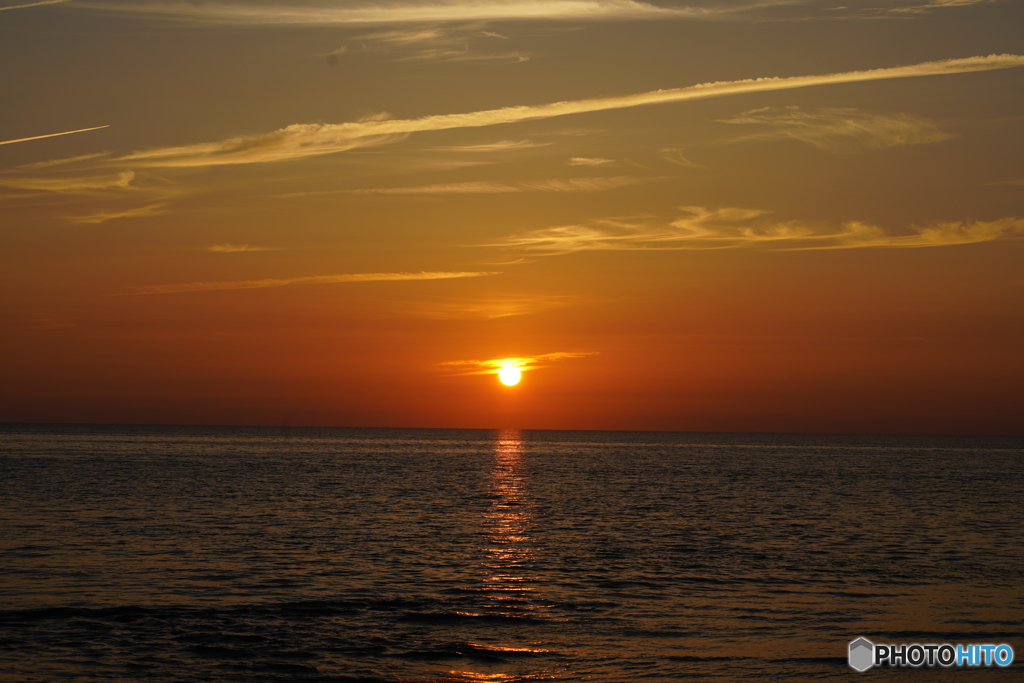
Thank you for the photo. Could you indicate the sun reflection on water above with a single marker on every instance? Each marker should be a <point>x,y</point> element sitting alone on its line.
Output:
<point>508,550</point>
<point>508,557</point>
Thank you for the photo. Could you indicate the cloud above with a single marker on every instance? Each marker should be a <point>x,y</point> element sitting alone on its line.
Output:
<point>463,54</point>
<point>587,161</point>
<point>856,234</point>
<point>489,308</point>
<point>956,3</point>
<point>934,5</point>
<point>352,13</point>
<point>33,4</point>
<point>580,184</point>
<point>306,140</point>
<point>313,280</point>
<point>63,162</point>
<point>104,216</point>
<point>499,146</point>
<point>474,187</point>
<point>236,248</point>
<point>72,185</point>
<point>433,43</point>
<point>413,36</point>
<point>884,9</point>
<point>523,363</point>
<point>841,130</point>
<point>406,12</point>
<point>730,228</point>
<point>48,135</point>
<point>676,156</point>
<point>491,187</point>
<point>959,3</point>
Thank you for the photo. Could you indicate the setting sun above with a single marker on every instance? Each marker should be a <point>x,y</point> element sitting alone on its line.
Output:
<point>510,376</point>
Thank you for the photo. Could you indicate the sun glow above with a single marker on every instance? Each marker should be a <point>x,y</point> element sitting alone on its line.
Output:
<point>510,375</point>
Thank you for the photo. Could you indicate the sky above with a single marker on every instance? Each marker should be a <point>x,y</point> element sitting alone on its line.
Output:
<point>717,215</point>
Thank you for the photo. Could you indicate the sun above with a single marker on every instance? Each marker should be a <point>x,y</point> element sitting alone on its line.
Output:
<point>510,376</point>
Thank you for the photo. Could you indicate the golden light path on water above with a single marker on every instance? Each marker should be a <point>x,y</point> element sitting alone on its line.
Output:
<point>508,551</point>
<point>507,522</point>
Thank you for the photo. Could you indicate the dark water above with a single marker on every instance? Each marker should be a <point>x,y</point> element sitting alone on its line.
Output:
<point>234,554</point>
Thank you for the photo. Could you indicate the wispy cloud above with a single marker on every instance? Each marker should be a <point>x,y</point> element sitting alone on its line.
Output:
<point>489,308</point>
<point>33,4</point>
<point>404,11</point>
<point>590,161</point>
<point>464,55</point>
<point>499,146</point>
<point>491,187</point>
<point>236,248</point>
<point>431,43</point>
<point>473,187</point>
<point>312,280</point>
<point>882,9</point>
<point>72,185</point>
<point>730,228</point>
<point>138,212</point>
<point>676,156</point>
<point>62,162</point>
<point>522,363</point>
<point>934,5</point>
<point>306,140</point>
<point>580,184</point>
<point>48,135</point>
<point>856,234</point>
<point>412,36</point>
<point>841,130</point>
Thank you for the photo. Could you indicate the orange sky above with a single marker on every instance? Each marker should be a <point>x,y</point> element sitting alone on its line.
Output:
<point>717,215</point>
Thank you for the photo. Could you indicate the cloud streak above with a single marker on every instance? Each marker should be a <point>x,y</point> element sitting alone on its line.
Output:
<point>499,146</point>
<point>312,280</point>
<point>589,161</point>
<point>875,9</point>
<point>367,13</point>
<point>731,228</point>
<point>934,5</point>
<point>33,4</point>
<point>431,43</point>
<point>49,135</point>
<point>72,185</point>
<point>306,140</point>
<point>523,363</point>
<point>841,130</point>
<point>138,212</point>
<point>490,187</point>
<point>63,162</point>
<point>236,248</point>
<point>490,308</point>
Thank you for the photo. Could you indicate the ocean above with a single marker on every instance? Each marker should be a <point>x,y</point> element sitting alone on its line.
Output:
<point>405,555</point>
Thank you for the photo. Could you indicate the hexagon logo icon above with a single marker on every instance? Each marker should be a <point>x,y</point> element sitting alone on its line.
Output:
<point>862,654</point>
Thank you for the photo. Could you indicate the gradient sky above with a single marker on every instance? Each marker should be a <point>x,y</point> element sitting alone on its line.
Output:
<point>718,215</point>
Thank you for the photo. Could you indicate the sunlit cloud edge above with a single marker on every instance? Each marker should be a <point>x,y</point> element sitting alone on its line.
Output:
<point>308,280</point>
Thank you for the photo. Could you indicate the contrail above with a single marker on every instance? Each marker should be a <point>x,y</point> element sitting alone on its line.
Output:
<point>33,4</point>
<point>51,135</point>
